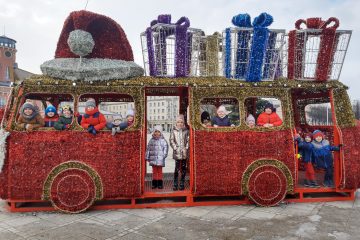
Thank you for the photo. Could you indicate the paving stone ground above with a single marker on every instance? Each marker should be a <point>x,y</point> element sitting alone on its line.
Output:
<point>331,220</point>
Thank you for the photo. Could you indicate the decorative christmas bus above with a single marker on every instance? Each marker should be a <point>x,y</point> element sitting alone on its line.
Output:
<point>72,170</point>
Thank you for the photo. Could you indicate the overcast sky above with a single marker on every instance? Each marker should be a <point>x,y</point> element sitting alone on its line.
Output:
<point>36,24</point>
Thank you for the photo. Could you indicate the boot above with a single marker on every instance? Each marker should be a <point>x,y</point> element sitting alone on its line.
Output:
<point>154,184</point>
<point>160,184</point>
<point>307,183</point>
<point>182,185</point>
<point>175,186</point>
<point>314,184</point>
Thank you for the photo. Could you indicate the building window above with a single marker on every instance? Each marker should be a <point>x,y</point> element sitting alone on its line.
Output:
<point>163,117</point>
<point>163,110</point>
<point>7,73</point>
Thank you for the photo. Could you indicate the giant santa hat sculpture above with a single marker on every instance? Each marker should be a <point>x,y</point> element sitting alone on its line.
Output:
<point>92,47</point>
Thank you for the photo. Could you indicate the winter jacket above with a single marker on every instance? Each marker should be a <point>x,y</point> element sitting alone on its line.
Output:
<point>62,122</point>
<point>221,122</point>
<point>157,151</point>
<point>36,122</point>
<point>179,142</point>
<point>94,118</point>
<point>305,150</point>
<point>322,153</point>
<point>272,118</point>
<point>50,121</point>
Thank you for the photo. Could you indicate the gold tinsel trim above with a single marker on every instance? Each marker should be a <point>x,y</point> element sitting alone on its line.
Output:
<point>343,110</point>
<point>270,162</point>
<point>200,87</point>
<point>72,165</point>
<point>241,94</point>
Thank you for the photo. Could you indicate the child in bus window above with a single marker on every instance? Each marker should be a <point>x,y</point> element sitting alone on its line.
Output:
<point>156,153</point>
<point>250,121</point>
<point>306,153</point>
<point>323,156</point>
<point>51,116</point>
<point>114,125</point>
<point>65,119</point>
<point>222,119</point>
<point>205,119</point>
<point>29,118</point>
<point>269,117</point>
<point>179,142</point>
<point>92,120</point>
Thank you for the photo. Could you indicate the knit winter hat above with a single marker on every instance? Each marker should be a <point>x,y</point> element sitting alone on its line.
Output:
<point>50,108</point>
<point>223,109</point>
<point>66,107</point>
<point>308,135</point>
<point>28,105</point>
<point>250,118</point>
<point>130,112</point>
<point>158,128</point>
<point>180,117</point>
<point>117,117</point>
<point>271,106</point>
<point>92,47</point>
<point>318,133</point>
<point>205,116</point>
<point>90,103</point>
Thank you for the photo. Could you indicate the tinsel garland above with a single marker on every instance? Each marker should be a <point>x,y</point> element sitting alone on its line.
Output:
<point>106,36</point>
<point>181,49</point>
<point>116,159</point>
<point>157,60</point>
<point>269,66</point>
<point>212,54</point>
<point>351,150</point>
<point>328,44</point>
<point>344,115</point>
<point>258,46</point>
<point>223,174</point>
<point>243,37</point>
<point>327,47</point>
<point>67,200</point>
<point>267,162</point>
<point>159,66</point>
<point>227,68</point>
<point>252,70</point>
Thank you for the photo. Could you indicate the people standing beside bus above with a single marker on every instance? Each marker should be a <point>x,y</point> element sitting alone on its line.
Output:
<point>30,117</point>
<point>306,153</point>
<point>269,118</point>
<point>156,153</point>
<point>65,119</point>
<point>179,142</point>
<point>51,116</point>
<point>92,120</point>
<point>323,156</point>
<point>222,119</point>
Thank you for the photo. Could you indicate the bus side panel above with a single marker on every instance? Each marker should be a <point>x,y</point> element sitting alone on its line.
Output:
<point>351,142</point>
<point>221,158</point>
<point>116,159</point>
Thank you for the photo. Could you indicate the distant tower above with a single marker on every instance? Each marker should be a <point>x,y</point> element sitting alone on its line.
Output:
<point>7,64</point>
<point>7,59</point>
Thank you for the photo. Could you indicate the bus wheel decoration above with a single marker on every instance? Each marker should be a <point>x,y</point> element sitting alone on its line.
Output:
<point>72,187</point>
<point>92,47</point>
<point>267,182</point>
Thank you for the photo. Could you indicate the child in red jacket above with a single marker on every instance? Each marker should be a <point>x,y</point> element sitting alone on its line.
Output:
<point>92,120</point>
<point>269,117</point>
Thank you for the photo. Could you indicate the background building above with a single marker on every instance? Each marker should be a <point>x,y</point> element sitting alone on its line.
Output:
<point>9,71</point>
<point>162,111</point>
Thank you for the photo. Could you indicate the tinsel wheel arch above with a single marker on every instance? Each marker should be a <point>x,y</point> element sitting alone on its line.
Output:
<point>72,169</point>
<point>267,166</point>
